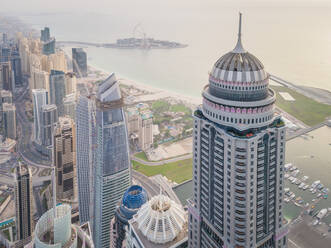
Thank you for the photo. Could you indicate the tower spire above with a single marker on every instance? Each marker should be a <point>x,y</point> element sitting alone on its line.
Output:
<point>239,47</point>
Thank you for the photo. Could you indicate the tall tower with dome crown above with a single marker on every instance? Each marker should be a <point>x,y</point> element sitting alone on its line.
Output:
<point>238,158</point>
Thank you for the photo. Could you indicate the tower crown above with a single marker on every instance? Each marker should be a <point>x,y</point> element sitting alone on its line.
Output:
<point>239,75</point>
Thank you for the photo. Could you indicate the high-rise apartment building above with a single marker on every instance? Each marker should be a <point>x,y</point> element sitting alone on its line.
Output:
<point>23,203</point>
<point>39,99</point>
<point>71,83</point>
<point>6,76</point>
<point>69,105</point>
<point>64,158</point>
<point>16,66</point>
<point>9,120</point>
<point>79,62</point>
<point>39,79</point>
<point>57,90</point>
<point>238,158</point>
<point>112,169</point>
<point>85,140</point>
<point>48,42</point>
<point>49,118</point>
<point>140,128</point>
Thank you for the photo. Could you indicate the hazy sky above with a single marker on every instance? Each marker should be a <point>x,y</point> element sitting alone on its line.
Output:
<point>10,6</point>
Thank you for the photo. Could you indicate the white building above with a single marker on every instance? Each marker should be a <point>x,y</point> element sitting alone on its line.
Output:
<point>238,159</point>
<point>159,223</point>
<point>39,99</point>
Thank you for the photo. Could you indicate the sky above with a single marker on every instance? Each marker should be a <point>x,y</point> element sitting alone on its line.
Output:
<point>34,6</point>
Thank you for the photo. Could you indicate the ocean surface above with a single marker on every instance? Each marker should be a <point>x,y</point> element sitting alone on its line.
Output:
<point>292,41</point>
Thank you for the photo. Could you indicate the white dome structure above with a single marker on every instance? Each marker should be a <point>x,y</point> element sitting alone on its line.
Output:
<point>161,219</point>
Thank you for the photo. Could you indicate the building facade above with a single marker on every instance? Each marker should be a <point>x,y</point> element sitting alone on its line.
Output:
<point>57,90</point>
<point>48,42</point>
<point>238,158</point>
<point>39,99</point>
<point>112,170</point>
<point>140,128</point>
<point>85,134</point>
<point>49,118</point>
<point>64,158</point>
<point>23,203</point>
<point>133,198</point>
<point>9,120</point>
<point>79,62</point>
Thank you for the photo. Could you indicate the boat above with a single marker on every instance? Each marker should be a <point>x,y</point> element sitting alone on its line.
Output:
<point>301,185</point>
<point>286,200</point>
<point>320,186</point>
<point>295,173</point>
<point>314,191</point>
<point>304,178</point>
<point>314,184</point>
<point>297,182</point>
<point>315,222</point>
<point>305,187</point>
<point>313,200</point>
<point>288,166</point>
<point>325,196</point>
<point>322,213</point>
<point>319,195</point>
<point>329,209</point>
<point>293,168</point>
<point>292,196</point>
<point>286,175</point>
<point>311,189</point>
<point>286,190</point>
<point>325,190</point>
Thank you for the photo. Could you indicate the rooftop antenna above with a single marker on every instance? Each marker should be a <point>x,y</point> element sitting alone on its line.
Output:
<point>239,47</point>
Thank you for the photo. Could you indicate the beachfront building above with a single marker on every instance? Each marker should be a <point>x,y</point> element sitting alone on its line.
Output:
<point>159,223</point>
<point>112,174</point>
<point>133,198</point>
<point>238,158</point>
<point>85,138</point>
<point>23,204</point>
<point>140,128</point>
<point>39,99</point>
<point>57,90</point>
<point>79,62</point>
<point>64,161</point>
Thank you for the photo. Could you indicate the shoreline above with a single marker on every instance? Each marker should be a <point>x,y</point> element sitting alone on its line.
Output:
<point>153,92</point>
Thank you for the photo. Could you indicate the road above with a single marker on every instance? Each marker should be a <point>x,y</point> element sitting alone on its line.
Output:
<point>142,180</point>
<point>166,161</point>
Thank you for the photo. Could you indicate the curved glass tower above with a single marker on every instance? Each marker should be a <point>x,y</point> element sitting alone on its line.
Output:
<point>112,167</point>
<point>239,149</point>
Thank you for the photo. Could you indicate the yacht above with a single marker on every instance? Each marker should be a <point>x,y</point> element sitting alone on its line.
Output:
<point>322,213</point>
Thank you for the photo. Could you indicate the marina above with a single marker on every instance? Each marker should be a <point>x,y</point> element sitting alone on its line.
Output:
<point>307,175</point>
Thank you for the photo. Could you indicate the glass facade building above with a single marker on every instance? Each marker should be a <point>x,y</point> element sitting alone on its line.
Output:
<point>112,170</point>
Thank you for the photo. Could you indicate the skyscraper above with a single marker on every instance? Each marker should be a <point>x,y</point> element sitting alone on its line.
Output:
<point>133,198</point>
<point>48,42</point>
<point>112,170</point>
<point>49,118</point>
<point>16,67</point>
<point>85,138</point>
<point>9,120</point>
<point>71,83</point>
<point>79,62</point>
<point>57,90</point>
<point>39,99</point>
<point>6,76</point>
<point>64,158</point>
<point>23,203</point>
<point>238,158</point>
